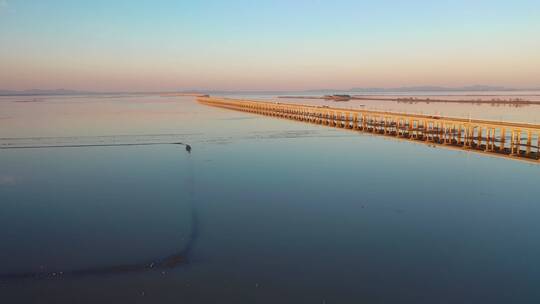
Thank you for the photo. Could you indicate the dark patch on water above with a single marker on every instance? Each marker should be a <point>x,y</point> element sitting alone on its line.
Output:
<point>171,261</point>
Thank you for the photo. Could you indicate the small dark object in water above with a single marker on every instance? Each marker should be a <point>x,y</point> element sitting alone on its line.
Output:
<point>188,147</point>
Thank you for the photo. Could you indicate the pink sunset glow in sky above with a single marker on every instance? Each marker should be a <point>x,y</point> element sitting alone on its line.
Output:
<point>274,45</point>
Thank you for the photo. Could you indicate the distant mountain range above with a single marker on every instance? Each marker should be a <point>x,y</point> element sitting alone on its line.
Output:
<point>42,92</point>
<point>58,92</point>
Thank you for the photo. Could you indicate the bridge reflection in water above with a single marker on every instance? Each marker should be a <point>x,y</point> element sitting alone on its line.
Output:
<point>508,139</point>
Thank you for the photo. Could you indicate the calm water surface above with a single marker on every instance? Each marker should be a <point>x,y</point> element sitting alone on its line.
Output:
<point>285,212</point>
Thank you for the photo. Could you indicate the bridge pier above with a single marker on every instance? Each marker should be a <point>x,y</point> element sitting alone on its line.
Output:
<point>529,143</point>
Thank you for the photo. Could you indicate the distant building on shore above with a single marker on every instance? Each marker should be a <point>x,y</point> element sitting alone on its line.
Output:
<point>337,97</point>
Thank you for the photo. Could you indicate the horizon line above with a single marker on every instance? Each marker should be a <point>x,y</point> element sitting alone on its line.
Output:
<point>413,88</point>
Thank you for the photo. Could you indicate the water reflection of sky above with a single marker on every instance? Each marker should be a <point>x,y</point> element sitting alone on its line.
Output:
<point>289,212</point>
<point>63,116</point>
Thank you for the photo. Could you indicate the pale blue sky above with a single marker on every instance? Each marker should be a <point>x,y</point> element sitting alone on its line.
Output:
<point>162,45</point>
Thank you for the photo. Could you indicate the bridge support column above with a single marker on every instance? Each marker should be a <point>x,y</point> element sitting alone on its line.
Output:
<point>503,140</point>
<point>470,136</point>
<point>491,138</point>
<point>518,142</point>
<point>489,141</point>
<point>512,143</point>
<point>479,138</point>
<point>447,129</point>
<point>442,133</point>
<point>529,143</point>
<point>494,140</point>
<point>424,130</point>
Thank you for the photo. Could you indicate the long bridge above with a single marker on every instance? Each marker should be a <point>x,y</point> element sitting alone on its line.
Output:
<point>508,139</point>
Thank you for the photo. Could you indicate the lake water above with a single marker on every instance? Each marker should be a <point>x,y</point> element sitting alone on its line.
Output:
<point>263,210</point>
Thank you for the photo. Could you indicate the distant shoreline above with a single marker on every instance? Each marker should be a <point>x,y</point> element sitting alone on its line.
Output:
<point>81,93</point>
<point>415,99</point>
<point>411,90</point>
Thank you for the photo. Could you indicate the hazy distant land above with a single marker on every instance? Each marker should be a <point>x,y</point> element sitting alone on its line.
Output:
<point>476,99</point>
<point>195,92</point>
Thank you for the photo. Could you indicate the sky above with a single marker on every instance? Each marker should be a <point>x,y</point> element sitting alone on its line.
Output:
<point>267,45</point>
